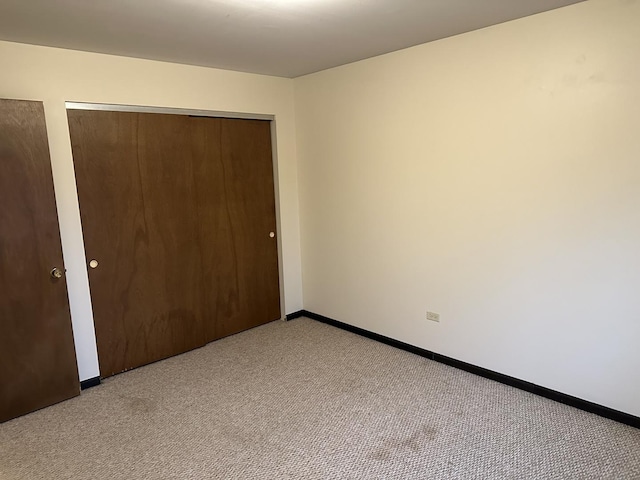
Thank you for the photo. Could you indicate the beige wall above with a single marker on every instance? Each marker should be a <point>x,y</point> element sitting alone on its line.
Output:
<point>55,76</point>
<point>494,178</point>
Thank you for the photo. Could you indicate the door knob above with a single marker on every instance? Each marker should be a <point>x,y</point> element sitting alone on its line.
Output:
<point>56,273</point>
<point>272,234</point>
<point>93,263</point>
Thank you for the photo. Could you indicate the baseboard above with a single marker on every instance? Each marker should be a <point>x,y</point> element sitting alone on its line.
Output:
<point>90,382</point>
<point>576,402</point>
<point>298,314</point>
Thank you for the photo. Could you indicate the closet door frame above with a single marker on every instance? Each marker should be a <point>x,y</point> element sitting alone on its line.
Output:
<point>214,114</point>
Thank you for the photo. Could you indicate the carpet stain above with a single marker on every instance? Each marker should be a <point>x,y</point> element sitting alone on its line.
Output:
<point>140,405</point>
<point>398,446</point>
<point>380,454</point>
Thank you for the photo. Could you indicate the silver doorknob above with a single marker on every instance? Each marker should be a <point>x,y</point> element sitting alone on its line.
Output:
<point>57,273</point>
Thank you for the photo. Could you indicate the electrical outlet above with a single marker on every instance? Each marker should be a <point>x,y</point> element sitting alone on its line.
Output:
<point>432,316</point>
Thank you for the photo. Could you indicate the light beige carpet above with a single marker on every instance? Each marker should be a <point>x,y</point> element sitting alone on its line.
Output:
<point>303,400</point>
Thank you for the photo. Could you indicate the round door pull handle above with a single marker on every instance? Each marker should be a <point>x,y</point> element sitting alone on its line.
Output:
<point>56,273</point>
<point>93,263</point>
<point>272,234</point>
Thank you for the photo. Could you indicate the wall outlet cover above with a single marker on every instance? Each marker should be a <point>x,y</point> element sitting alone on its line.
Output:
<point>432,316</point>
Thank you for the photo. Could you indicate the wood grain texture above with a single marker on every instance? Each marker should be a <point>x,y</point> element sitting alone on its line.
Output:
<point>177,210</point>
<point>135,174</point>
<point>37,355</point>
<point>236,204</point>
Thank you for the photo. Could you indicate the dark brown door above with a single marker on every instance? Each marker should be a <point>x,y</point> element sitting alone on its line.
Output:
<point>37,355</point>
<point>134,175</point>
<point>237,223</point>
<point>179,214</point>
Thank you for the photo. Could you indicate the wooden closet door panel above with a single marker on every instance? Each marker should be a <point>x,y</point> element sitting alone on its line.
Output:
<point>135,185</point>
<point>220,291</point>
<point>236,204</point>
<point>37,355</point>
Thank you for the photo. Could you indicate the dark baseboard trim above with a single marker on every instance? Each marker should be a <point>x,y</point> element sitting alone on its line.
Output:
<point>90,382</point>
<point>576,402</point>
<point>298,314</point>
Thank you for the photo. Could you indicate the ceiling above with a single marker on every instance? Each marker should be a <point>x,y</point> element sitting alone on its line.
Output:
<point>286,38</point>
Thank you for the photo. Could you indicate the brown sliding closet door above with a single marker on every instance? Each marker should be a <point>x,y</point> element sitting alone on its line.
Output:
<point>237,219</point>
<point>179,214</point>
<point>37,356</point>
<point>134,174</point>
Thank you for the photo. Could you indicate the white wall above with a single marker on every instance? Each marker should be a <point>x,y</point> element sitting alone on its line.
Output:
<point>55,76</point>
<point>494,178</point>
